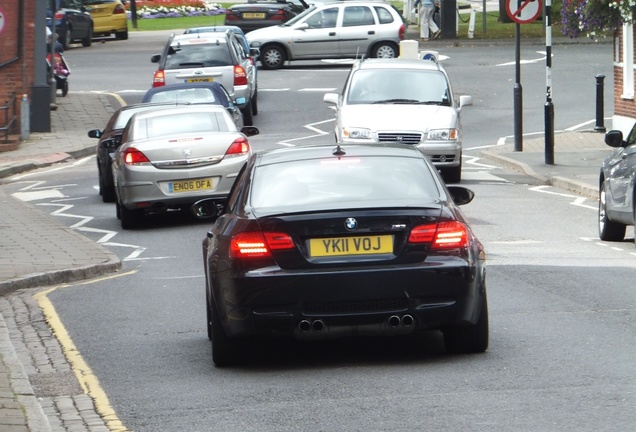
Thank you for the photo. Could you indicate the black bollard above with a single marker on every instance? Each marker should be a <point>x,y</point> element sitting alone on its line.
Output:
<point>599,104</point>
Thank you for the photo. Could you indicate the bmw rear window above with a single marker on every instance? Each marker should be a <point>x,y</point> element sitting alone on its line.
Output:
<point>185,56</point>
<point>348,182</point>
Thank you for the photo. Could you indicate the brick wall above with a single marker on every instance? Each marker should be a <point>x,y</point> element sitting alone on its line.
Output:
<point>624,109</point>
<point>16,75</point>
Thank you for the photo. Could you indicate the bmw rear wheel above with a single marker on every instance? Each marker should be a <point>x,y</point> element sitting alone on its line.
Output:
<point>225,351</point>
<point>272,57</point>
<point>470,339</point>
<point>385,50</point>
<point>607,229</point>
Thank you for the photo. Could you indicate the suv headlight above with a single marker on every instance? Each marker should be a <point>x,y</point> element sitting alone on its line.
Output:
<point>356,133</point>
<point>442,135</point>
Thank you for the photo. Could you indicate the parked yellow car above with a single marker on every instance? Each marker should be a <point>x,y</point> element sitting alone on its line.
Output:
<point>109,17</point>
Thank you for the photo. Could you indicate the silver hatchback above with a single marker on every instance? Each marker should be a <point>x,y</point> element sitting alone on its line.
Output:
<point>210,57</point>
<point>402,101</point>
<point>352,29</point>
<point>173,157</point>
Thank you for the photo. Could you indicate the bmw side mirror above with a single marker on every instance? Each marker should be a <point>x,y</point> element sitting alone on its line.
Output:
<point>461,195</point>
<point>614,138</point>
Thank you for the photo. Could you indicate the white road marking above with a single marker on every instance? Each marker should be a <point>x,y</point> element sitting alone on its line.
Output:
<point>310,126</point>
<point>318,89</point>
<point>38,195</point>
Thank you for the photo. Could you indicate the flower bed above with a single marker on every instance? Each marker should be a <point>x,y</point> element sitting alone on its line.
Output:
<point>149,9</point>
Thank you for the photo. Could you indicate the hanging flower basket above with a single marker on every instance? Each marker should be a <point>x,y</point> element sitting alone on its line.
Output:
<point>595,18</point>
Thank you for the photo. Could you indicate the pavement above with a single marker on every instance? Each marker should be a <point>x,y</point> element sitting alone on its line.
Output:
<point>38,251</point>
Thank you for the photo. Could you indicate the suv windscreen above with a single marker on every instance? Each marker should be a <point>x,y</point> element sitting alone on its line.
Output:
<point>196,56</point>
<point>398,86</point>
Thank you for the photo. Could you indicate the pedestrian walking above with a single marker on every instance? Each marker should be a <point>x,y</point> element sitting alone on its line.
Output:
<point>428,28</point>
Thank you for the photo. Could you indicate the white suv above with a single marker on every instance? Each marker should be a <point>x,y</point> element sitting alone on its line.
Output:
<point>208,57</point>
<point>352,29</point>
<point>402,101</point>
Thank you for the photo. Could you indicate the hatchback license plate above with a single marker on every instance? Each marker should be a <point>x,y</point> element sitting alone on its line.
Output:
<point>196,80</point>
<point>359,245</point>
<point>191,185</point>
<point>254,15</point>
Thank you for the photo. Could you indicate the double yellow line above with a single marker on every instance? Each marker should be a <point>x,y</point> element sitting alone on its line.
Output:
<point>87,379</point>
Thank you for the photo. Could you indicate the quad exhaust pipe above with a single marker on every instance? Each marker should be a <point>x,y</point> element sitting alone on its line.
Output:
<point>318,326</point>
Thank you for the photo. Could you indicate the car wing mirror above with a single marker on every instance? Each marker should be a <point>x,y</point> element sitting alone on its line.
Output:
<point>461,195</point>
<point>465,100</point>
<point>331,98</point>
<point>94,133</point>
<point>255,52</point>
<point>249,131</point>
<point>303,26</point>
<point>207,208</point>
<point>614,138</point>
<point>155,58</point>
<point>110,144</point>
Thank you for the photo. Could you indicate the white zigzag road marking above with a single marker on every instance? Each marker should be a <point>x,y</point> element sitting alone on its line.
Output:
<point>107,234</point>
<point>310,126</point>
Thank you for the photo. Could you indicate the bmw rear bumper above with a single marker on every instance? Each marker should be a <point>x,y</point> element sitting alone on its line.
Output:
<point>309,305</point>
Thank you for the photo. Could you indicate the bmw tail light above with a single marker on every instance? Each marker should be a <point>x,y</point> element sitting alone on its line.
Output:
<point>444,235</point>
<point>159,79</point>
<point>240,146</point>
<point>240,77</point>
<point>119,9</point>
<point>258,245</point>
<point>132,156</point>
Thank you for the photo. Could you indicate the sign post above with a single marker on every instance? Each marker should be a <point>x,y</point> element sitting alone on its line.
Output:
<point>521,12</point>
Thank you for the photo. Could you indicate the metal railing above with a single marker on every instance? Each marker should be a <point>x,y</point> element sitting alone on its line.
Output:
<point>9,120</point>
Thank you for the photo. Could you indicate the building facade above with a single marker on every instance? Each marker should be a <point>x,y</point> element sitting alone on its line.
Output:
<point>23,72</point>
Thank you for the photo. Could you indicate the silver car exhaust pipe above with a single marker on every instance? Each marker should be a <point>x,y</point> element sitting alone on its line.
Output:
<point>318,326</point>
<point>304,326</point>
<point>394,321</point>
<point>407,320</point>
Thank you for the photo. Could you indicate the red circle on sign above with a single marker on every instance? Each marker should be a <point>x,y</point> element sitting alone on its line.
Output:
<point>524,4</point>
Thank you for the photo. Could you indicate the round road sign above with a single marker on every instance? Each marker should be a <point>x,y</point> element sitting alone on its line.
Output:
<point>523,11</point>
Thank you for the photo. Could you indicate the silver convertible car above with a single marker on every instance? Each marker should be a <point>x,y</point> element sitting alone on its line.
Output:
<point>171,158</point>
<point>617,194</point>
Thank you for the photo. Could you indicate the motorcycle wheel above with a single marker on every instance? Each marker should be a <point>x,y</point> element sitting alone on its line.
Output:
<point>64,88</point>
